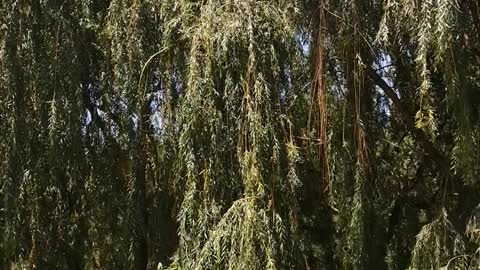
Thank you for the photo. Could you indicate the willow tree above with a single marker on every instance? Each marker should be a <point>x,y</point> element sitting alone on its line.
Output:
<point>239,134</point>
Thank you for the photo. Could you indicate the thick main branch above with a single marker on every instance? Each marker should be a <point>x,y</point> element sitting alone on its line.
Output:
<point>407,118</point>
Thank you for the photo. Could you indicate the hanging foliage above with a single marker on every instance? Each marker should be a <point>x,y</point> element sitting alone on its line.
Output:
<point>239,134</point>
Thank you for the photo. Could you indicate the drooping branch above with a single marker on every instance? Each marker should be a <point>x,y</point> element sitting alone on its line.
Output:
<point>319,93</point>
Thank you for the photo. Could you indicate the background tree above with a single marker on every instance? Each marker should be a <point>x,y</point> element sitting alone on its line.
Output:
<point>239,134</point>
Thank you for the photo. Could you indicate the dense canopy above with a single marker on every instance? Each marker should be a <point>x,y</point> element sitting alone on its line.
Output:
<point>239,134</point>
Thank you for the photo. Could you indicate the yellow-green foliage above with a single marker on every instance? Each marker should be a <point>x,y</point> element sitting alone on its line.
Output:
<point>239,134</point>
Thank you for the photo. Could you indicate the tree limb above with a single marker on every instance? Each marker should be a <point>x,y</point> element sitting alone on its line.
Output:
<point>407,117</point>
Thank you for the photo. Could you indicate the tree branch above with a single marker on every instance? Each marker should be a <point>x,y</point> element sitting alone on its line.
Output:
<point>407,117</point>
